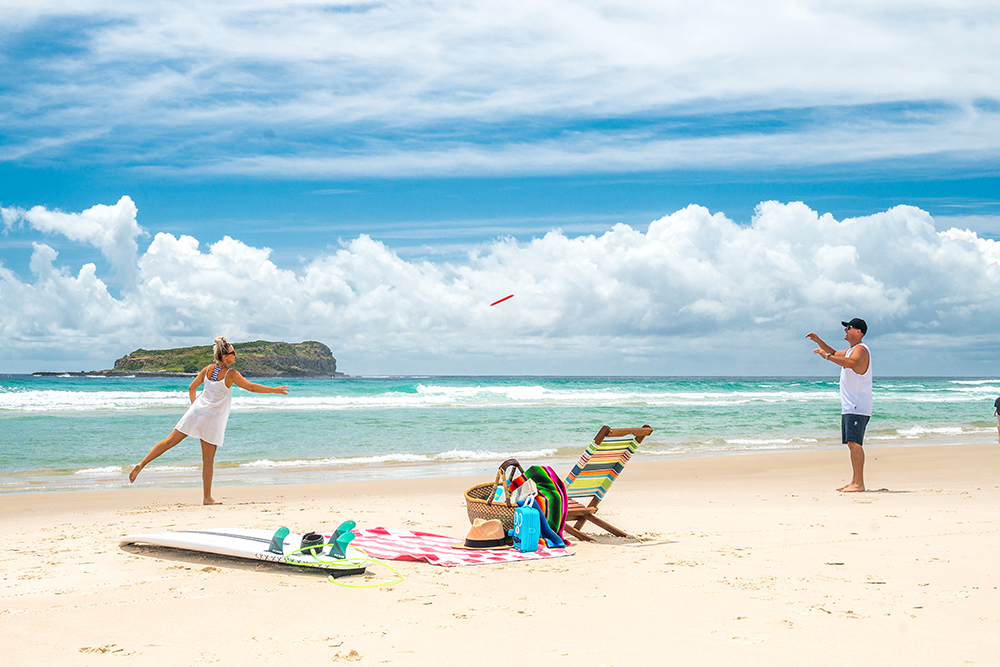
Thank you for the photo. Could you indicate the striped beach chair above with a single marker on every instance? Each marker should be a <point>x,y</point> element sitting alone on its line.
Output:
<point>595,472</point>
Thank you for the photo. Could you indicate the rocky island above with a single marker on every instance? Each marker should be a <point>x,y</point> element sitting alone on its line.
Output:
<point>258,358</point>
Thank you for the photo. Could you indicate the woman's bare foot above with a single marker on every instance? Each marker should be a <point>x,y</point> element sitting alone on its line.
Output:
<point>210,501</point>
<point>135,473</point>
<point>852,488</point>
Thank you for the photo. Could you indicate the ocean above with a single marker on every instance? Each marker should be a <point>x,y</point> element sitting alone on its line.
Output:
<point>61,433</point>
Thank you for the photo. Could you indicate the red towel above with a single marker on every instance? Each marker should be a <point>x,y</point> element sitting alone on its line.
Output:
<point>397,544</point>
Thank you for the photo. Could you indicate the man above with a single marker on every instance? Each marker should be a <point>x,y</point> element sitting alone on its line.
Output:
<point>996,413</point>
<point>855,394</point>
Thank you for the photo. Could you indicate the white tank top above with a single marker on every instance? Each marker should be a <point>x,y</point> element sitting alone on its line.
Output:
<point>856,390</point>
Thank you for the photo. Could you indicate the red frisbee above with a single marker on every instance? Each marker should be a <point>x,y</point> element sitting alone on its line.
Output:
<point>509,296</point>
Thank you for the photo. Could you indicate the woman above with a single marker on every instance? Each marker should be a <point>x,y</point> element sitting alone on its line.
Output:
<point>206,418</point>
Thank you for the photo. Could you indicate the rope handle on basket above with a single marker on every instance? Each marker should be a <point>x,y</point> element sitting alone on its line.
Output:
<point>513,466</point>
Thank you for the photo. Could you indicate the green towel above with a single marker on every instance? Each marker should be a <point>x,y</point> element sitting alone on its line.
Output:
<point>551,496</point>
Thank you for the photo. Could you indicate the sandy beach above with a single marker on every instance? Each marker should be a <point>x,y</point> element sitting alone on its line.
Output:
<point>748,560</point>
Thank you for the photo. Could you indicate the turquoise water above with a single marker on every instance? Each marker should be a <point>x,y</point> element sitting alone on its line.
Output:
<point>86,432</point>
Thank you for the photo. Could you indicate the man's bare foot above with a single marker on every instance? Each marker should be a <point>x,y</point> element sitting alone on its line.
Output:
<point>852,488</point>
<point>135,473</point>
<point>210,501</point>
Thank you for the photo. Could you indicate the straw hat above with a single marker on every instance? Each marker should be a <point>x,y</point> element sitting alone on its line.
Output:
<point>484,535</point>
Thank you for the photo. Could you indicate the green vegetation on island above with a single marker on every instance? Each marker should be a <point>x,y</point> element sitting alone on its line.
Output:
<point>259,358</point>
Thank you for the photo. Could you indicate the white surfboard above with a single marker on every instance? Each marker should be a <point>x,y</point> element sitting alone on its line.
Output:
<point>257,544</point>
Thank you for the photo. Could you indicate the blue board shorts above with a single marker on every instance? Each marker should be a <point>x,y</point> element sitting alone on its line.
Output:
<point>852,428</point>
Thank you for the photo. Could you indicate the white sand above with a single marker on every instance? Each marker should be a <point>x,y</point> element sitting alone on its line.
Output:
<point>738,560</point>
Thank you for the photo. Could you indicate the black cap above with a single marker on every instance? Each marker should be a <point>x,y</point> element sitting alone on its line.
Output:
<point>857,323</point>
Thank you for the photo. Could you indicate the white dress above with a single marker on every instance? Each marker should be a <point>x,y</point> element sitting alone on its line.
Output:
<point>206,418</point>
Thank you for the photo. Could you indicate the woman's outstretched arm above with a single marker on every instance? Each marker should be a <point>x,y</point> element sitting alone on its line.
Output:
<point>243,383</point>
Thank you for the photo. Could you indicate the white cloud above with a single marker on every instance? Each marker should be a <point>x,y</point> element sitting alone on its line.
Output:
<point>110,229</point>
<point>520,86</point>
<point>600,150</point>
<point>695,293</point>
<point>60,313</point>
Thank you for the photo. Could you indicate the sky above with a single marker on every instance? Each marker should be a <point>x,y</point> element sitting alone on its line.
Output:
<point>667,188</point>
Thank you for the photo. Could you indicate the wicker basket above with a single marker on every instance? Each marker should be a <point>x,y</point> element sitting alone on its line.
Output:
<point>477,500</point>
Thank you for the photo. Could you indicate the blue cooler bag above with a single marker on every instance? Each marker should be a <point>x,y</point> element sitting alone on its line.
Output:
<point>527,528</point>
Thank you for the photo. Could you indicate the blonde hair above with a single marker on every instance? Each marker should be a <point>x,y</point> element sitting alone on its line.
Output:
<point>221,348</point>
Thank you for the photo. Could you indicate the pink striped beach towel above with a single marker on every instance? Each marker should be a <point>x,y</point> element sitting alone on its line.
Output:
<point>397,544</point>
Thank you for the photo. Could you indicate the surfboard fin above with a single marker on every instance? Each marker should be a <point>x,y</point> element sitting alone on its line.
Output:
<point>278,541</point>
<point>341,538</point>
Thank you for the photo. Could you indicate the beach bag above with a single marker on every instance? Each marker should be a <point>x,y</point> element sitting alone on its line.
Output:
<point>493,500</point>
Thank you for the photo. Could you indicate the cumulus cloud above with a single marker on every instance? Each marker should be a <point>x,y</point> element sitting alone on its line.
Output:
<point>110,229</point>
<point>695,292</point>
<point>60,314</point>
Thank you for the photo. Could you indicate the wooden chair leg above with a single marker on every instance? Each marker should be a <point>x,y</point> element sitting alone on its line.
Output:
<point>607,526</point>
<point>577,534</point>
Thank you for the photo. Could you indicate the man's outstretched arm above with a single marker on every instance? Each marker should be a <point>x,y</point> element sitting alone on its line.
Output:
<point>823,350</point>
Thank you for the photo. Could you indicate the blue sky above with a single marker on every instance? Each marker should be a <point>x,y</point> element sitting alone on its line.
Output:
<point>457,138</point>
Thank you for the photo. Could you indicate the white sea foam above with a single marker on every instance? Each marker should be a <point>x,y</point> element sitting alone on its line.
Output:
<point>974,389</point>
<point>452,456</point>
<point>486,455</point>
<point>975,382</point>
<point>918,431</point>
<point>105,470</point>
<point>537,395</point>
<point>426,396</point>
<point>443,397</point>
<point>334,461</point>
<point>737,445</point>
<point>767,442</point>
<point>61,401</point>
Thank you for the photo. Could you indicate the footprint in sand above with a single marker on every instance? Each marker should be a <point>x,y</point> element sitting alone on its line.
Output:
<point>107,648</point>
<point>353,656</point>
